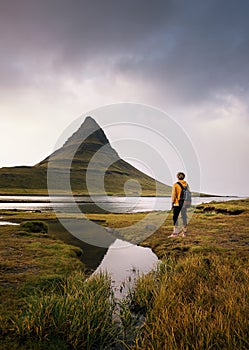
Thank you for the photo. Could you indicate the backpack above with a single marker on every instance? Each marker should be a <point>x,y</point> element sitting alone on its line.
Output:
<point>185,197</point>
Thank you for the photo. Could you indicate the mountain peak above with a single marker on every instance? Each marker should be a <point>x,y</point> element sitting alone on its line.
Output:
<point>89,124</point>
<point>90,120</point>
<point>89,129</point>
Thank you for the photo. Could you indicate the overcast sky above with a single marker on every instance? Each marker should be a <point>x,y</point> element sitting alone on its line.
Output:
<point>59,59</point>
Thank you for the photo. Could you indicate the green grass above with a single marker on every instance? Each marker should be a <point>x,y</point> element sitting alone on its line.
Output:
<point>197,298</point>
<point>76,312</point>
<point>29,262</point>
<point>34,226</point>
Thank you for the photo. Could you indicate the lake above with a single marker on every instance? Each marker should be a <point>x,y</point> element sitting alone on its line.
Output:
<point>97,204</point>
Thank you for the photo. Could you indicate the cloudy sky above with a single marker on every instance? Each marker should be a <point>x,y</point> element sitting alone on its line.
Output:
<point>59,59</point>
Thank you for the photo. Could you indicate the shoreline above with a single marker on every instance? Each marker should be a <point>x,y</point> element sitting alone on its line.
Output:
<point>19,197</point>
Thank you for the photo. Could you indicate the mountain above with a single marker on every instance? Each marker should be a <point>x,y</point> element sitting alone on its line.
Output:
<point>85,161</point>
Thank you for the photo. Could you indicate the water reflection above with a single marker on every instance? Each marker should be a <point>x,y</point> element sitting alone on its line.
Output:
<point>124,262</point>
<point>91,255</point>
<point>3,223</point>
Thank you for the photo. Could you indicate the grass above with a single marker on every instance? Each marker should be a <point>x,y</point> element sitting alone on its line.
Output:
<point>194,302</point>
<point>197,298</point>
<point>30,262</point>
<point>34,226</point>
<point>77,312</point>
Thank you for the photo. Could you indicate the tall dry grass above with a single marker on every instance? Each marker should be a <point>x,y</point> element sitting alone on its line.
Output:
<point>195,303</point>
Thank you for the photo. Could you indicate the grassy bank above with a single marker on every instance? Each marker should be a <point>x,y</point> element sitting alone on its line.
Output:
<point>30,262</point>
<point>196,302</point>
<point>75,314</point>
<point>196,299</point>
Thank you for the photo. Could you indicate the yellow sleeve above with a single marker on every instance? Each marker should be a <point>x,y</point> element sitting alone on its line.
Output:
<point>174,194</point>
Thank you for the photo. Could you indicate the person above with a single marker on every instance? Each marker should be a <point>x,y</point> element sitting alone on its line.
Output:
<point>178,206</point>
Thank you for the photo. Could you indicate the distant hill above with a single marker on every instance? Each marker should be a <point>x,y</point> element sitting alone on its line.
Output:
<point>88,149</point>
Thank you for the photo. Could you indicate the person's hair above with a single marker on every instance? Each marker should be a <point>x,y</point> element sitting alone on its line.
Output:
<point>180,176</point>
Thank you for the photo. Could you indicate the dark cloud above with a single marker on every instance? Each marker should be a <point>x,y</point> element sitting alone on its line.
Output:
<point>190,49</point>
<point>57,37</point>
<point>204,51</point>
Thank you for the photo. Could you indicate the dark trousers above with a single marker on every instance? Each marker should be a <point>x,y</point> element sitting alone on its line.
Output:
<point>176,212</point>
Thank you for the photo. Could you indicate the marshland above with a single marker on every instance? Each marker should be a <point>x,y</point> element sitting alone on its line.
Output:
<point>195,298</point>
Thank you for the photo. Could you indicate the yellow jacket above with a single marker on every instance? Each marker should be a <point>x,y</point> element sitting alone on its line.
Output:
<point>176,192</point>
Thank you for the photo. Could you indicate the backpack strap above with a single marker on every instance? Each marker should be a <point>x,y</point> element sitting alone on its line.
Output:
<point>182,191</point>
<point>182,187</point>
